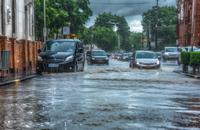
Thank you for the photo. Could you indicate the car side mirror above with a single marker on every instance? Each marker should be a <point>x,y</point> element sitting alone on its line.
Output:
<point>159,57</point>
<point>39,51</point>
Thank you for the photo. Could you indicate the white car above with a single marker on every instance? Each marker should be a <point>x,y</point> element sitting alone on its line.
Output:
<point>145,59</point>
<point>171,53</point>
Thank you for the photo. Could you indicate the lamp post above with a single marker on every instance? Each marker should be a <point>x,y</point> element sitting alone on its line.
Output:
<point>115,28</point>
<point>156,26</point>
<point>45,23</point>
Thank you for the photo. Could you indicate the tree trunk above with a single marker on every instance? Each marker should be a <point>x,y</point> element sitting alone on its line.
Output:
<point>185,68</point>
<point>194,70</point>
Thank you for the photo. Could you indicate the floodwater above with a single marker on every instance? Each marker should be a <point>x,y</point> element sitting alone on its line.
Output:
<point>110,97</point>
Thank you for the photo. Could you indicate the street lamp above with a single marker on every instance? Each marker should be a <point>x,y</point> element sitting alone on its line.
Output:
<point>115,28</point>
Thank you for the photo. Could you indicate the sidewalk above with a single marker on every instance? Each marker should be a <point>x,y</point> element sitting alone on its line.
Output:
<point>189,74</point>
<point>14,79</point>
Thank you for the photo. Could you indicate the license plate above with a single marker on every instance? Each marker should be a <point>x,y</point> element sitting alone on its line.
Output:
<point>53,65</point>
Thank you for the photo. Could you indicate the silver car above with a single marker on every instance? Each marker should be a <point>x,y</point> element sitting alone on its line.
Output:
<point>171,53</point>
<point>145,59</point>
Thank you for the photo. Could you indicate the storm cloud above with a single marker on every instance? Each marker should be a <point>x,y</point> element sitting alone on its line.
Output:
<point>132,10</point>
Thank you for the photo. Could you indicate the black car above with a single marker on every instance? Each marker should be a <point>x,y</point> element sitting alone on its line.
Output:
<point>61,55</point>
<point>97,57</point>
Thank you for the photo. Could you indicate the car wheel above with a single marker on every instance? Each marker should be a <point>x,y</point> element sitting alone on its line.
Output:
<point>83,66</point>
<point>74,68</point>
<point>38,72</point>
<point>107,63</point>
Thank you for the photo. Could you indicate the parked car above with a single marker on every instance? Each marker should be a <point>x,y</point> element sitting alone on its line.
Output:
<point>98,57</point>
<point>145,59</point>
<point>118,56</point>
<point>125,57</point>
<point>197,50</point>
<point>190,48</point>
<point>171,53</point>
<point>61,55</point>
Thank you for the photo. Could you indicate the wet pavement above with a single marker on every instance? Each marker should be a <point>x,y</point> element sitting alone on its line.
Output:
<point>110,97</point>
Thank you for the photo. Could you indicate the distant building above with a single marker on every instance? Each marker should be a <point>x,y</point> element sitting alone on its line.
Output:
<point>17,19</point>
<point>188,22</point>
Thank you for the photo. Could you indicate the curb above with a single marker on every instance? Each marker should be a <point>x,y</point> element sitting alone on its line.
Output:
<point>17,80</point>
<point>188,75</point>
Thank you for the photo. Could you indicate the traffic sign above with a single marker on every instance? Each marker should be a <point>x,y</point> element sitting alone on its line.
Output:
<point>66,30</point>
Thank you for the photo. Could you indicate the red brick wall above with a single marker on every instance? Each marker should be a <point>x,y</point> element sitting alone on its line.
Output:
<point>23,54</point>
<point>185,25</point>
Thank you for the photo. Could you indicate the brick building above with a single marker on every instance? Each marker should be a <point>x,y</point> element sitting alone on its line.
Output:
<point>188,22</point>
<point>18,50</point>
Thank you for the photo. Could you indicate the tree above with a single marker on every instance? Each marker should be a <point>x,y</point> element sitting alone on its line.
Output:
<point>136,40</point>
<point>108,20</point>
<point>87,35</point>
<point>105,38</point>
<point>61,13</point>
<point>166,23</point>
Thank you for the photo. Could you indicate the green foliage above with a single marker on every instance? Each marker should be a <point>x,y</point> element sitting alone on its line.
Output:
<point>167,21</point>
<point>185,58</point>
<point>61,13</point>
<point>86,35</point>
<point>135,40</point>
<point>108,20</point>
<point>195,59</point>
<point>105,38</point>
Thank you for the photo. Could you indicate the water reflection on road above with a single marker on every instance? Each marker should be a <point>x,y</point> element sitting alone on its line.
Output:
<point>103,97</point>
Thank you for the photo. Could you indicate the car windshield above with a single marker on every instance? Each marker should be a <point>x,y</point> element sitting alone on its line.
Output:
<point>98,53</point>
<point>173,49</point>
<point>60,46</point>
<point>145,55</point>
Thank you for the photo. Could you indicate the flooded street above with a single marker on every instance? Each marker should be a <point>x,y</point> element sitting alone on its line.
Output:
<point>110,97</point>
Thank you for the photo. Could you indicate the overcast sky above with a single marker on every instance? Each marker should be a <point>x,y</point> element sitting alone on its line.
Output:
<point>131,9</point>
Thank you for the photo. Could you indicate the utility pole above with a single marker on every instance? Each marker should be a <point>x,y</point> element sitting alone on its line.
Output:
<point>45,23</point>
<point>156,26</point>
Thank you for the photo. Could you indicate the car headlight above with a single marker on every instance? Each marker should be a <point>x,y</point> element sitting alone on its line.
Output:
<point>158,62</point>
<point>166,53</point>
<point>93,58</point>
<point>69,58</point>
<point>107,58</point>
<point>40,58</point>
<point>137,63</point>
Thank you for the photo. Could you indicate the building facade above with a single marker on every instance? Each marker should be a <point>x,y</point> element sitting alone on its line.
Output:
<point>17,19</point>
<point>188,22</point>
<point>18,48</point>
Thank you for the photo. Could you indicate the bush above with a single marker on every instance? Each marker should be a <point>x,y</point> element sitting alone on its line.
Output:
<point>195,58</point>
<point>185,58</point>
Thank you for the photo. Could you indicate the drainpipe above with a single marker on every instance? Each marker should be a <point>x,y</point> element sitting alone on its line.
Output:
<point>193,22</point>
<point>3,17</point>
